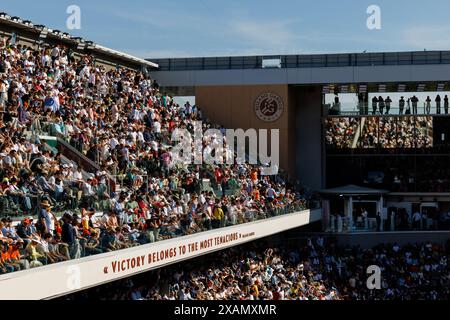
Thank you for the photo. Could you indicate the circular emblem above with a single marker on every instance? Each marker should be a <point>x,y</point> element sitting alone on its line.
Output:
<point>269,107</point>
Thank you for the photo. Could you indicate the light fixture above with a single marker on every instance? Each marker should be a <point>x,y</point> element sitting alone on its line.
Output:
<point>16,19</point>
<point>362,88</point>
<point>28,23</point>
<point>44,33</point>
<point>401,88</point>
<point>440,87</point>
<point>421,87</point>
<point>344,89</point>
<point>81,46</point>
<point>381,88</point>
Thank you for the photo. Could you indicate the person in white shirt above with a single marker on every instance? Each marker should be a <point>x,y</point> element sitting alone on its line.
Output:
<point>416,220</point>
<point>184,294</point>
<point>271,194</point>
<point>77,175</point>
<point>157,127</point>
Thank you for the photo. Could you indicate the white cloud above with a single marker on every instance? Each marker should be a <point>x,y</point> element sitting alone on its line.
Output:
<point>264,34</point>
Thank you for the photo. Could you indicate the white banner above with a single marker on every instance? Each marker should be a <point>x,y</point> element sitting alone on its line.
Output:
<point>66,277</point>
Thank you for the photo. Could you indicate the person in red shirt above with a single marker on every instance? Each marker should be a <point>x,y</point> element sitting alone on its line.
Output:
<point>218,175</point>
<point>254,176</point>
<point>256,194</point>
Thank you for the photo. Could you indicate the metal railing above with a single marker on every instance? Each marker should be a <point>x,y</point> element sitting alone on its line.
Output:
<point>306,61</point>
<point>29,204</point>
<point>79,248</point>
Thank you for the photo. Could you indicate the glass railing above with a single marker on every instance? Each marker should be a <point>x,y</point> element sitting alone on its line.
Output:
<point>29,204</point>
<point>90,243</point>
<point>352,109</point>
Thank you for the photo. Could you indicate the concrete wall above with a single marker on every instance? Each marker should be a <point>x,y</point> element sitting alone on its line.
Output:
<point>233,107</point>
<point>308,135</point>
<point>300,124</point>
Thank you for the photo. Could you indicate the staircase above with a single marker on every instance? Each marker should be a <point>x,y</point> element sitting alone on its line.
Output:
<point>70,155</point>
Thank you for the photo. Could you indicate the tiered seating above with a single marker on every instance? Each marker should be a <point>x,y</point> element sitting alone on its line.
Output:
<point>120,120</point>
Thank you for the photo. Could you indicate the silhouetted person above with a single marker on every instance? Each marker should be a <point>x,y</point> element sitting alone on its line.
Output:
<point>428,105</point>
<point>388,104</point>
<point>401,105</point>
<point>381,104</point>
<point>438,104</point>
<point>378,221</point>
<point>414,101</point>
<point>446,104</point>
<point>374,105</point>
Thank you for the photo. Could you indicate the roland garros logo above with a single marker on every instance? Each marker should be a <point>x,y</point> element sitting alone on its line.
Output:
<point>269,107</point>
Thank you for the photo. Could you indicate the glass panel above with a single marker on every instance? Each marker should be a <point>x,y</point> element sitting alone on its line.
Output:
<point>369,135</point>
<point>424,132</point>
<point>341,132</point>
<point>388,132</point>
<point>291,61</point>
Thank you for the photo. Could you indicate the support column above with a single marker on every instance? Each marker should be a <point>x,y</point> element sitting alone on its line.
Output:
<point>380,210</point>
<point>326,219</point>
<point>350,213</point>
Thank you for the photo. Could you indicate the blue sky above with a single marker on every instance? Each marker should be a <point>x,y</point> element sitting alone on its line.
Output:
<point>175,28</point>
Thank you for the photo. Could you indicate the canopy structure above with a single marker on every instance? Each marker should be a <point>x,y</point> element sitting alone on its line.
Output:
<point>350,195</point>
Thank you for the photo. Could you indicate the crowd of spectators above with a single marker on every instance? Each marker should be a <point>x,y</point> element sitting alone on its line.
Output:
<point>317,269</point>
<point>120,120</point>
<point>380,132</point>
<point>340,132</point>
<point>369,133</point>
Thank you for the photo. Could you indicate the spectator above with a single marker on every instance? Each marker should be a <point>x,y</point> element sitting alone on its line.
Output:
<point>311,270</point>
<point>438,104</point>
<point>401,105</point>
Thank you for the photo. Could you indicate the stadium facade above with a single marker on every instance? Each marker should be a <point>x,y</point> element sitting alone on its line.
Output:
<point>318,93</point>
<point>289,93</point>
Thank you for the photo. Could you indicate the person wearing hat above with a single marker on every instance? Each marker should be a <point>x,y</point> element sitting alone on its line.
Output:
<point>45,218</point>
<point>24,230</point>
<point>69,236</point>
<point>31,251</point>
<point>8,230</point>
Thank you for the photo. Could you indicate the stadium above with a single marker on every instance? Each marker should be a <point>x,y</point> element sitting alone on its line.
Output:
<point>300,177</point>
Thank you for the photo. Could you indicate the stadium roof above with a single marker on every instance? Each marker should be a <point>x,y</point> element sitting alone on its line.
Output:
<point>27,25</point>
